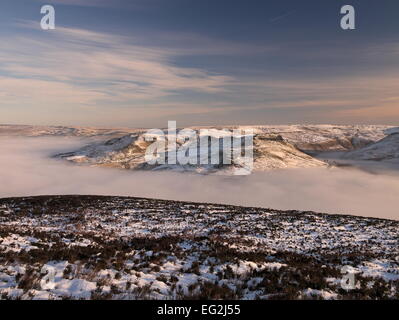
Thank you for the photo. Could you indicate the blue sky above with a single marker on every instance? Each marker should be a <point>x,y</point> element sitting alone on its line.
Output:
<point>140,63</point>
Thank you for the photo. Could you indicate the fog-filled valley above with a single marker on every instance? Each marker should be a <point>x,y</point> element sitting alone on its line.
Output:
<point>27,168</point>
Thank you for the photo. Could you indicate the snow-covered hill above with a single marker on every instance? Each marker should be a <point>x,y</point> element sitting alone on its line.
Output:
<point>275,147</point>
<point>272,152</point>
<point>386,149</point>
<point>90,247</point>
<point>328,137</point>
<point>40,131</point>
<point>128,152</point>
<point>304,137</point>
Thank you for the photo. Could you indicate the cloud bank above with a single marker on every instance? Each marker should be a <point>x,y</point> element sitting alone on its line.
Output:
<point>26,169</point>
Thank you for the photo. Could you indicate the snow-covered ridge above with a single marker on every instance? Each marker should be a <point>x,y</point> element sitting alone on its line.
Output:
<point>89,247</point>
<point>386,149</point>
<point>305,137</point>
<point>275,147</point>
<point>270,152</point>
<point>40,131</point>
<point>328,137</point>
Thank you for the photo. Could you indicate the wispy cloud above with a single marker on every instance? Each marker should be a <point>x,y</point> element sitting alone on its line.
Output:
<point>107,67</point>
<point>281,16</point>
<point>70,74</point>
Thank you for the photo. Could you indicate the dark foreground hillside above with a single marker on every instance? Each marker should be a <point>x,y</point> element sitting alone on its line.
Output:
<point>91,247</point>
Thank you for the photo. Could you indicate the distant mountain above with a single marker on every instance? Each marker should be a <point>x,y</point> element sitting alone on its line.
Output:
<point>304,137</point>
<point>275,153</point>
<point>386,149</point>
<point>275,147</point>
<point>328,137</point>
<point>40,131</point>
<point>270,152</point>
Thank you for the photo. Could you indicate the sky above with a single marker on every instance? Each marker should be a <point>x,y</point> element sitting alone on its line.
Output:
<point>140,63</point>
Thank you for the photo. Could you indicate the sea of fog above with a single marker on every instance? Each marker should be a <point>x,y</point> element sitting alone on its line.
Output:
<point>26,169</point>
